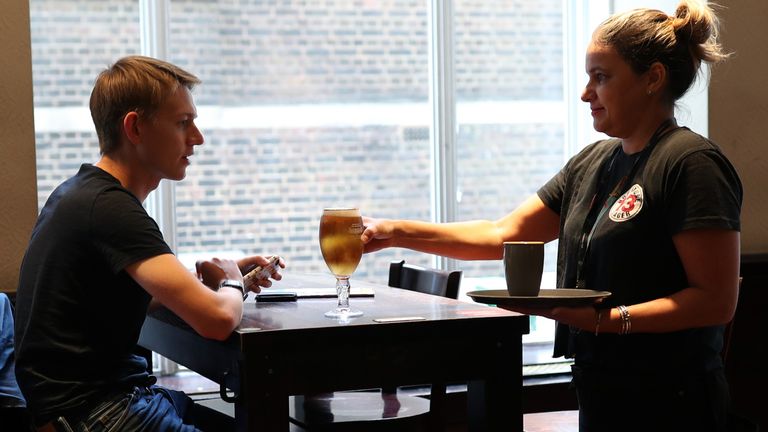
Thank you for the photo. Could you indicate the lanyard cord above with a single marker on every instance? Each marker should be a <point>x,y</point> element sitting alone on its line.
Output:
<point>592,219</point>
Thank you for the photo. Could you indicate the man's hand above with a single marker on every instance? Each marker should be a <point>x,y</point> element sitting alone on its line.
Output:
<point>250,263</point>
<point>211,272</point>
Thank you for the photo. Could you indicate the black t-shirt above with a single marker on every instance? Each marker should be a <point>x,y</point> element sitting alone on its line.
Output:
<point>684,183</point>
<point>79,313</point>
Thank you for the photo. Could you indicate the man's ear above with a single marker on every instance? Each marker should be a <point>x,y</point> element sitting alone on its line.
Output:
<point>657,77</point>
<point>131,127</point>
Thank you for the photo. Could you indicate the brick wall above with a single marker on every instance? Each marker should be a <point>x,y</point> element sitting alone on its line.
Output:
<point>261,189</point>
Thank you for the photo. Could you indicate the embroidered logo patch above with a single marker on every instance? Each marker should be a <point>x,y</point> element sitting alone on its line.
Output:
<point>628,205</point>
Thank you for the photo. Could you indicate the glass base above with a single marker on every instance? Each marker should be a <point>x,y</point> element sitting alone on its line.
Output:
<point>343,313</point>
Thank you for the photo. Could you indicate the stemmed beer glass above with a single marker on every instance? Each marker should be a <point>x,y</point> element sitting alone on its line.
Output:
<point>340,230</point>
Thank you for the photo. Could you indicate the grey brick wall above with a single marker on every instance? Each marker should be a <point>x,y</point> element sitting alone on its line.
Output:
<point>74,40</point>
<point>274,206</point>
<point>261,190</point>
<point>305,51</point>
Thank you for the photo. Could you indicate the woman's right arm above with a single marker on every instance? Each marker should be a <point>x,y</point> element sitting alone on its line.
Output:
<point>470,240</point>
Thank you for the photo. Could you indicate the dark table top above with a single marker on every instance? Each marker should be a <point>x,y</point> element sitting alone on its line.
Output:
<point>290,328</point>
<point>288,348</point>
<point>387,302</point>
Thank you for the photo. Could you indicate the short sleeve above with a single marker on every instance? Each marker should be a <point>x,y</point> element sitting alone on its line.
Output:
<point>122,230</point>
<point>703,191</point>
<point>551,193</point>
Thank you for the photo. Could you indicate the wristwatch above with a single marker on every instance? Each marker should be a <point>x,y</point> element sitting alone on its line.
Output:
<point>234,283</point>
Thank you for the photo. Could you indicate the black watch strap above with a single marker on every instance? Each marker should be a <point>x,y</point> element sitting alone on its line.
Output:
<point>234,283</point>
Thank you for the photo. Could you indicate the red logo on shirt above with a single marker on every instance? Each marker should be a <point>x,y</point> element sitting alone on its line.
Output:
<point>628,205</point>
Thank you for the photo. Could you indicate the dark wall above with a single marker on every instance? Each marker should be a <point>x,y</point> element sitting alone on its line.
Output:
<point>746,362</point>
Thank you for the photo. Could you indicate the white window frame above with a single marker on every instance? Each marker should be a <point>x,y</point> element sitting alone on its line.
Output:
<point>153,31</point>
<point>580,17</point>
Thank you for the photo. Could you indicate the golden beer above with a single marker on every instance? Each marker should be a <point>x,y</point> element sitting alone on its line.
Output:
<point>340,243</point>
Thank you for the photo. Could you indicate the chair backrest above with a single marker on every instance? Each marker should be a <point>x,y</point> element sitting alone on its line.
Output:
<point>426,280</point>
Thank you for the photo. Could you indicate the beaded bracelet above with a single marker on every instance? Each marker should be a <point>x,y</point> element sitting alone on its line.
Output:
<point>626,323</point>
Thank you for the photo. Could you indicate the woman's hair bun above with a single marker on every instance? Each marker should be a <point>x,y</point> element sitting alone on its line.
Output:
<point>694,24</point>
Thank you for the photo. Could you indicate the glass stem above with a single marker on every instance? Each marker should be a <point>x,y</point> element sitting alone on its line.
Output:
<point>342,292</point>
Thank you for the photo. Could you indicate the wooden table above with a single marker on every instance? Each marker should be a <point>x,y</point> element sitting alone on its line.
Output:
<point>290,348</point>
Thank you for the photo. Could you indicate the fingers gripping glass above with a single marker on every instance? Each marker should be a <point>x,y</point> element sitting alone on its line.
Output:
<point>340,230</point>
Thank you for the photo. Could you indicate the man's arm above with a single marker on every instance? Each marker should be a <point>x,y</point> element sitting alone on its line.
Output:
<point>212,313</point>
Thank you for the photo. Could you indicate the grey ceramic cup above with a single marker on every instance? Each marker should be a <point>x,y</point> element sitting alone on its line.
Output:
<point>523,265</point>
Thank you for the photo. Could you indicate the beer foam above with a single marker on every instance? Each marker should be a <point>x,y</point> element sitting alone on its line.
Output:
<point>343,211</point>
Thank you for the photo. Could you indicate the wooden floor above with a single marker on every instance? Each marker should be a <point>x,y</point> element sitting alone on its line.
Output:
<point>559,421</point>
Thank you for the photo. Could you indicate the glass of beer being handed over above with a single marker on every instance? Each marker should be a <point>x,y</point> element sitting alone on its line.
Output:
<point>340,230</point>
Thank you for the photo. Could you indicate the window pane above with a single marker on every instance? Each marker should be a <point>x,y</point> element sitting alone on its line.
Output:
<point>304,105</point>
<point>511,117</point>
<point>510,110</point>
<point>72,41</point>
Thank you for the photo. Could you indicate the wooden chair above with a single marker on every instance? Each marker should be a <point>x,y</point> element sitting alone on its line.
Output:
<point>728,333</point>
<point>429,281</point>
<point>736,421</point>
<point>385,409</point>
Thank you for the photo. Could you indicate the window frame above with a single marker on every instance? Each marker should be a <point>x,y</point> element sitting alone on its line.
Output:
<point>580,17</point>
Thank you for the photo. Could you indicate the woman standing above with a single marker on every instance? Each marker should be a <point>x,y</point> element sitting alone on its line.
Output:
<point>652,215</point>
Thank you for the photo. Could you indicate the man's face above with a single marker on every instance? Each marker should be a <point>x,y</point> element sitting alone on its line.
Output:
<point>168,138</point>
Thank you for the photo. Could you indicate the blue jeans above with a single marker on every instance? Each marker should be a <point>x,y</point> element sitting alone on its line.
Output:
<point>10,395</point>
<point>151,408</point>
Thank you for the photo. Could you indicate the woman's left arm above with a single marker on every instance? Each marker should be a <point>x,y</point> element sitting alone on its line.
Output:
<point>711,260</point>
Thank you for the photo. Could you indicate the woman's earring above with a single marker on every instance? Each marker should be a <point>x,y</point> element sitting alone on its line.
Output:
<point>650,92</point>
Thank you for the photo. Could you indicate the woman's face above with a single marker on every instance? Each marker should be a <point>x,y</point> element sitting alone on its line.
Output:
<point>617,96</point>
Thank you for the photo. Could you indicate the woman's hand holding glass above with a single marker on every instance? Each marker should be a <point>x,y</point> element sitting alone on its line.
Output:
<point>342,248</point>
